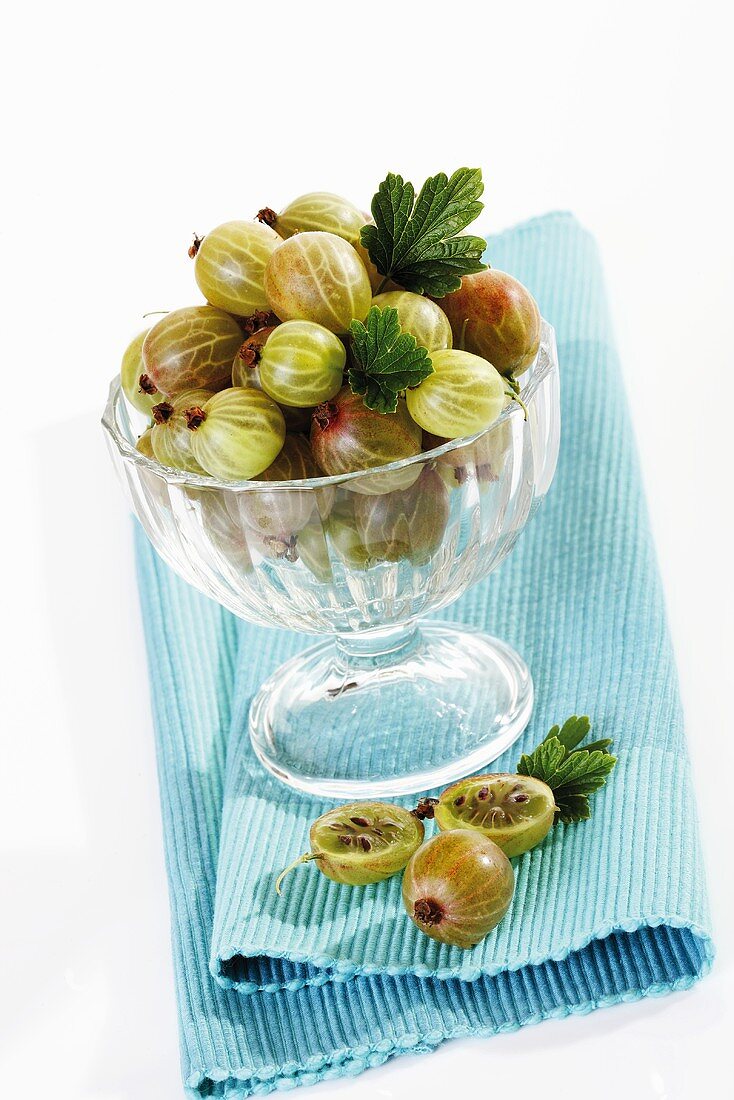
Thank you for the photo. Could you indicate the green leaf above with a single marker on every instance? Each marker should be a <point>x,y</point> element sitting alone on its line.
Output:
<point>544,762</point>
<point>572,773</point>
<point>584,772</point>
<point>417,242</point>
<point>593,746</point>
<point>387,360</point>
<point>573,732</point>
<point>575,808</point>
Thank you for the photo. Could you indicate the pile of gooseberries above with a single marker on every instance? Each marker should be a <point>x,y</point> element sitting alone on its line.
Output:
<point>458,885</point>
<point>254,382</point>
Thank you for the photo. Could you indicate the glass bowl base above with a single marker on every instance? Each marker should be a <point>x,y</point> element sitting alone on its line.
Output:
<point>393,711</point>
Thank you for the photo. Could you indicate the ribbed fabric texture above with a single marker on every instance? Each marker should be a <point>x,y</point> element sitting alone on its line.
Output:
<point>327,981</point>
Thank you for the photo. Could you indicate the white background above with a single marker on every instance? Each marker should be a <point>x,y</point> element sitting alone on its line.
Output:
<point>127,127</point>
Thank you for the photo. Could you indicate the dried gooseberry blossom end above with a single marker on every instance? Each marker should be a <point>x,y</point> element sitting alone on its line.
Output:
<point>267,215</point>
<point>195,417</point>
<point>428,911</point>
<point>425,808</point>
<point>195,246</point>
<point>162,412</point>
<point>261,318</point>
<point>147,385</point>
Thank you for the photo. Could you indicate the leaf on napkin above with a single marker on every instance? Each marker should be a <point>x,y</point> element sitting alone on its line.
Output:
<point>387,360</point>
<point>572,772</point>
<point>418,243</point>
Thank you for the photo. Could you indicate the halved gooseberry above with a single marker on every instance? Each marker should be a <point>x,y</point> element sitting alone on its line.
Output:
<point>515,811</point>
<point>361,842</point>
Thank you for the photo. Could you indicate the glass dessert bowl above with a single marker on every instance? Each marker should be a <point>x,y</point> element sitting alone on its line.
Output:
<point>385,702</point>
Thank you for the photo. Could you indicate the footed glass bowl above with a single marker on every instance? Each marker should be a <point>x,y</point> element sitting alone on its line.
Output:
<point>385,702</point>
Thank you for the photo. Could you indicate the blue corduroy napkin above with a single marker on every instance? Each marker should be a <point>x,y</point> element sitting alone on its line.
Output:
<point>328,981</point>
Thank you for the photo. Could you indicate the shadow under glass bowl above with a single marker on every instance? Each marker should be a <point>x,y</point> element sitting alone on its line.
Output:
<point>385,703</point>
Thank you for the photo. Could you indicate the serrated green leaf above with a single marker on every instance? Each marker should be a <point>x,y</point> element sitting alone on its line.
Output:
<point>387,360</point>
<point>571,772</point>
<point>575,808</point>
<point>416,242</point>
<point>594,746</point>
<point>573,731</point>
<point>544,762</point>
<point>583,773</point>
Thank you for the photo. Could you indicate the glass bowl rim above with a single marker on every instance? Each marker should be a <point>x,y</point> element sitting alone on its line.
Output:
<point>130,453</point>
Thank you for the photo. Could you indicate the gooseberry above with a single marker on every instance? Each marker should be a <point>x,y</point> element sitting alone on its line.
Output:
<point>312,550</point>
<point>131,369</point>
<point>170,437</point>
<point>347,436</point>
<point>279,514</point>
<point>343,534</point>
<point>144,444</point>
<point>408,523</point>
<point>457,887</point>
<point>317,211</point>
<point>361,842</point>
<point>222,527</point>
<point>463,395</point>
<point>419,316</point>
<point>302,364</point>
<point>515,811</point>
<point>188,349</point>
<point>495,316</point>
<point>318,277</point>
<point>377,281</point>
<point>230,266</point>
<point>246,365</point>
<point>484,459</point>
<point>236,434</point>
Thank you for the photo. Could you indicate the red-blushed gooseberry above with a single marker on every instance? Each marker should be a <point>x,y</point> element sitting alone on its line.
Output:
<point>189,349</point>
<point>457,887</point>
<point>279,514</point>
<point>318,277</point>
<point>405,524</point>
<point>495,316</point>
<point>346,436</point>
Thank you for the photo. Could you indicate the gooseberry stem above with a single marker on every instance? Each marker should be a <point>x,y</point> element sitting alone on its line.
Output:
<point>521,403</point>
<point>305,858</point>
